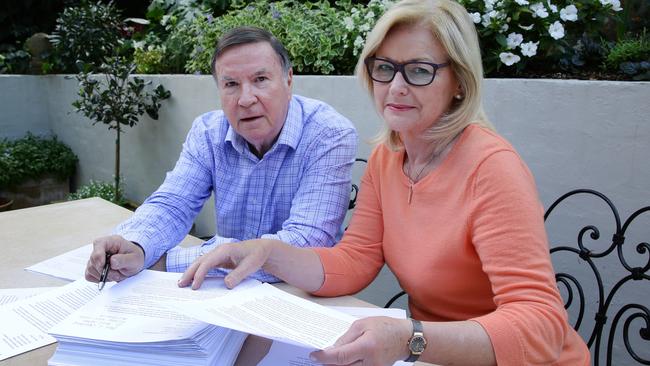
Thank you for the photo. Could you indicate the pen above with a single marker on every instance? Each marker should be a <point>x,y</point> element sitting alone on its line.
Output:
<point>102,277</point>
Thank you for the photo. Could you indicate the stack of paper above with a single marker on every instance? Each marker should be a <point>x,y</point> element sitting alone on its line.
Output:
<point>205,347</point>
<point>129,324</point>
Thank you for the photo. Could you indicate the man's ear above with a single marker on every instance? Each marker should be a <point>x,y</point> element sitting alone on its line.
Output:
<point>290,78</point>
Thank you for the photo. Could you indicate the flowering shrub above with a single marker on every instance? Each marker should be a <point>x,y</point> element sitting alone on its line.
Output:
<point>319,38</point>
<point>361,20</point>
<point>514,33</point>
<point>99,189</point>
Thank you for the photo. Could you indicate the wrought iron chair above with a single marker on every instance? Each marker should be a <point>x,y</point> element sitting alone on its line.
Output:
<point>600,335</point>
<point>355,187</point>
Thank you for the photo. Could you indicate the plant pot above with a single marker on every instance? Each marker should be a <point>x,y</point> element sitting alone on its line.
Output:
<point>5,204</point>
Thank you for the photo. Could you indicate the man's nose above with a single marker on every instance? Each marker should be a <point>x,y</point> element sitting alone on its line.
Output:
<point>247,97</point>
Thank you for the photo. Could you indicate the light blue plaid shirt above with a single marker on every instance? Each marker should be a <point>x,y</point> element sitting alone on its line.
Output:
<point>298,192</point>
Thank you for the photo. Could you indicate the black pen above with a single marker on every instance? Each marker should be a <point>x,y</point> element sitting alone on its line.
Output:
<point>104,275</point>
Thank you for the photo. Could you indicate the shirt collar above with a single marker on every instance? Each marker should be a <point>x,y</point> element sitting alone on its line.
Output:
<point>289,135</point>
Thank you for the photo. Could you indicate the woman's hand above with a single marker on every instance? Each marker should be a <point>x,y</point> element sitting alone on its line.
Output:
<point>370,341</point>
<point>243,258</point>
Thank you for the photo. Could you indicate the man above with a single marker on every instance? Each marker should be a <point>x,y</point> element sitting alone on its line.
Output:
<point>278,164</point>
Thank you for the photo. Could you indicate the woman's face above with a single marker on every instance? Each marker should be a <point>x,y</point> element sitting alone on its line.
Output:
<point>409,109</point>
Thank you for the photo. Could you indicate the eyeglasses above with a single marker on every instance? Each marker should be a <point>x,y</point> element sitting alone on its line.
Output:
<point>418,73</point>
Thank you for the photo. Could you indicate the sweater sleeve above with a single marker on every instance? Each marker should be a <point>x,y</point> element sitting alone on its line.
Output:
<point>529,324</point>
<point>357,259</point>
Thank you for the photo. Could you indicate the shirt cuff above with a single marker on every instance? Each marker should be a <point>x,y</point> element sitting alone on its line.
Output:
<point>180,258</point>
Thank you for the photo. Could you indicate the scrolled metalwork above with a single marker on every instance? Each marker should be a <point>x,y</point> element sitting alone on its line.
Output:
<point>644,332</point>
<point>591,229</point>
<point>605,298</point>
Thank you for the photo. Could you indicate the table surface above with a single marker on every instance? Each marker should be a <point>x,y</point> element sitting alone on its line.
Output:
<point>31,235</point>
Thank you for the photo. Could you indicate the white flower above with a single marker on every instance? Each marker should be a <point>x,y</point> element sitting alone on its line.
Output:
<point>529,49</point>
<point>539,10</point>
<point>349,23</point>
<point>514,40</point>
<point>489,4</point>
<point>556,30</point>
<point>476,17</point>
<point>509,58</point>
<point>570,13</point>
<point>616,4</point>
<point>364,27</point>
<point>138,45</point>
<point>358,42</point>
<point>504,28</point>
<point>370,15</point>
<point>551,6</point>
<point>522,2</point>
<point>487,19</point>
<point>526,27</point>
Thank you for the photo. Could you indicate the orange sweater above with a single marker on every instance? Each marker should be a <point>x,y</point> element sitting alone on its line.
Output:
<point>471,245</point>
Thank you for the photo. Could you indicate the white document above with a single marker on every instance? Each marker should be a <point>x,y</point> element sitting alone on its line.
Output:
<point>45,310</point>
<point>68,266</point>
<point>272,313</point>
<point>134,310</point>
<point>25,322</point>
<point>18,336</point>
<point>9,295</point>
<point>291,355</point>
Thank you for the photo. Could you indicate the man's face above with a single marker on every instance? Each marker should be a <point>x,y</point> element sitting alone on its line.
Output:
<point>254,92</point>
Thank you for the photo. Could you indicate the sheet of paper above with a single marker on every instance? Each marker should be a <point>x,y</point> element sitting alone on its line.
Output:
<point>134,310</point>
<point>18,336</point>
<point>293,355</point>
<point>9,295</point>
<point>272,313</point>
<point>45,310</point>
<point>68,266</point>
<point>25,322</point>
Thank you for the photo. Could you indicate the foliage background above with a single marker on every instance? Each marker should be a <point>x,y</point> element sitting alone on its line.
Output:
<point>32,157</point>
<point>324,36</point>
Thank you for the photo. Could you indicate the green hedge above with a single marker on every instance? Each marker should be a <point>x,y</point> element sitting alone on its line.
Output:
<point>32,157</point>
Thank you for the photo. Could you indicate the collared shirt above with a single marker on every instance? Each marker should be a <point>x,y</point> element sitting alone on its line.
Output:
<point>298,192</point>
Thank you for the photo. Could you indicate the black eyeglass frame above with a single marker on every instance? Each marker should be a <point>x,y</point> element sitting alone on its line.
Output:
<point>400,68</point>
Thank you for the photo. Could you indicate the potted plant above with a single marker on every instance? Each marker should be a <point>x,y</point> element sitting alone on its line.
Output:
<point>116,101</point>
<point>5,204</point>
<point>35,170</point>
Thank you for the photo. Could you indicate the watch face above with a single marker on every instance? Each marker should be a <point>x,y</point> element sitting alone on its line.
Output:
<point>417,344</point>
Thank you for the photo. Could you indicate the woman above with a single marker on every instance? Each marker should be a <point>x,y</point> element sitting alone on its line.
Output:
<point>446,203</point>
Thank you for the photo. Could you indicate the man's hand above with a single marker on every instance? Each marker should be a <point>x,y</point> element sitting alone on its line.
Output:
<point>243,258</point>
<point>127,258</point>
<point>370,341</point>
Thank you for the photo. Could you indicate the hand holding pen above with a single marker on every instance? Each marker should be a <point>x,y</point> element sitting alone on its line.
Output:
<point>104,275</point>
<point>113,259</point>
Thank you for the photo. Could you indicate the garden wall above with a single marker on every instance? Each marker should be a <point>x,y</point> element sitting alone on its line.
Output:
<point>573,134</point>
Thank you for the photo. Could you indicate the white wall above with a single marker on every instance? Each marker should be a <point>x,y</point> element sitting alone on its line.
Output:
<point>573,134</point>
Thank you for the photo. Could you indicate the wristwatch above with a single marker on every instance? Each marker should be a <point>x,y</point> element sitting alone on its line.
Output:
<point>417,343</point>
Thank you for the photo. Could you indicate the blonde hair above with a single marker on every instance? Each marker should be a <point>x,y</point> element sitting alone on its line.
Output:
<point>452,26</point>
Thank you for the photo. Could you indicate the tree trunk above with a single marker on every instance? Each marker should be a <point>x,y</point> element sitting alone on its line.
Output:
<point>117,164</point>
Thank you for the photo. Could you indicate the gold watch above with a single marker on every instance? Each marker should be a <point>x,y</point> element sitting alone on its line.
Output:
<point>417,343</point>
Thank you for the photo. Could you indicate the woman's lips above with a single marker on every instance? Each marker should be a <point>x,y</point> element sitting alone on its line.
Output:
<point>398,107</point>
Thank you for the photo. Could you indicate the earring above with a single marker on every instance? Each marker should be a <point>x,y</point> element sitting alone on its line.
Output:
<point>458,96</point>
